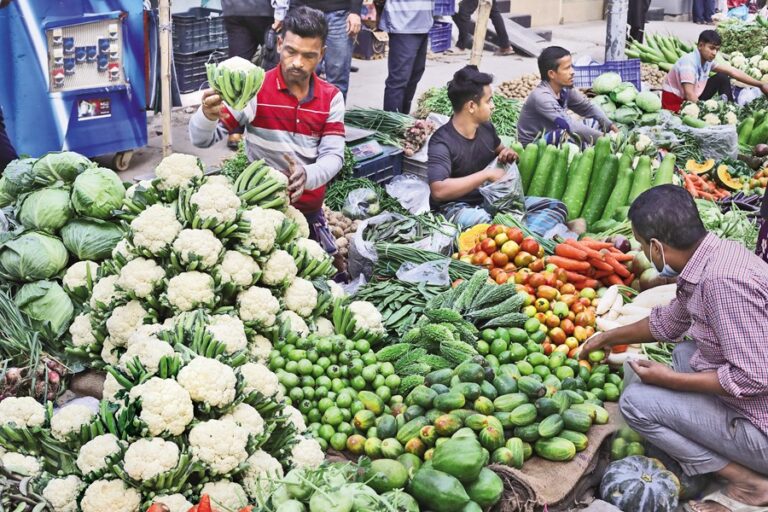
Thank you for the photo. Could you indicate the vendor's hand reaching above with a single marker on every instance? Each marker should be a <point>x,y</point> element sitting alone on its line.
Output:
<point>507,156</point>
<point>212,105</point>
<point>494,174</point>
<point>354,24</point>
<point>764,88</point>
<point>596,342</point>
<point>653,373</point>
<point>297,178</point>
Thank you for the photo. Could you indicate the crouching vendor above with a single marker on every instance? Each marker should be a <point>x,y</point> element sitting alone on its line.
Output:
<point>697,77</point>
<point>545,112</point>
<point>709,411</point>
<point>461,151</point>
<point>295,122</point>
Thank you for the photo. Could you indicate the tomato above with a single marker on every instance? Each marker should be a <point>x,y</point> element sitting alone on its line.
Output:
<point>571,342</point>
<point>529,311</point>
<point>562,348</point>
<point>501,239</point>
<point>557,335</point>
<point>466,259</point>
<point>522,275</point>
<point>588,293</point>
<point>585,364</point>
<point>494,272</point>
<point>547,348</point>
<point>510,248</point>
<point>541,252</point>
<point>499,259</point>
<point>495,229</point>
<point>568,326</point>
<point>541,317</point>
<point>571,316</point>
<point>552,321</point>
<point>536,280</point>
<point>561,275</point>
<point>501,278</point>
<point>530,245</point>
<point>590,331</point>
<point>541,305</point>
<point>546,292</point>
<point>618,349</point>
<point>478,258</point>
<point>510,267</point>
<point>523,259</point>
<point>529,290</point>
<point>537,265</point>
<point>580,333</point>
<point>550,279</point>
<point>488,246</point>
<point>482,236</point>
<point>567,298</point>
<point>577,307</point>
<point>560,309</point>
<point>585,319</point>
<point>574,353</point>
<point>515,234</point>
<point>586,302</point>
<point>568,289</point>
<point>487,262</point>
<point>559,284</point>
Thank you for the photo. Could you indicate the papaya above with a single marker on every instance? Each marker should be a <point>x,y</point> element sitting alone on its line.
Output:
<point>486,491</point>
<point>461,457</point>
<point>437,490</point>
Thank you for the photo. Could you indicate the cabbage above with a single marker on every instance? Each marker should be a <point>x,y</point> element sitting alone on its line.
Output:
<point>47,305</point>
<point>648,101</point>
<point>605,103</point>
<point>649,119</point>
<point>624,94</point>
<point>626,115</point>
<point>32,256</point>
<point>97,192</point>
<point>606,83</point>
<point>46,210</point>
<point>17,179</point>
<point>63,166</point>
<point>91,239</point>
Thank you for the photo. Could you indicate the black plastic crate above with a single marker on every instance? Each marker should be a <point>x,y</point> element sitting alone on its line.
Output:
<point>199,30</point>
<point>383,168</point>
<point>190,69</point>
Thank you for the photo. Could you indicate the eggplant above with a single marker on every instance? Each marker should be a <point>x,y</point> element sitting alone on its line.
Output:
<point>622,244</point>
<point>760,150</point>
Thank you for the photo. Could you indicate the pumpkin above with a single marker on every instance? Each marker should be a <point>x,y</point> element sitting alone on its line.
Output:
<point>726,180</point>
<point>640,484</point>
<point>691,487</point>
<point>699,168</point>
<point>469,238</point>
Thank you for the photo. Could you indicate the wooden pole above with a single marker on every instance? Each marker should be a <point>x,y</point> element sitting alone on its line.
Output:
<point>481,27</point>
<point>616,31</point>
<point>165,74</point>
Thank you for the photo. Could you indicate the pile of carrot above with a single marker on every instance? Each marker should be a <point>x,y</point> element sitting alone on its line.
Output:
<point>588,263</point>
<point>701,187</point>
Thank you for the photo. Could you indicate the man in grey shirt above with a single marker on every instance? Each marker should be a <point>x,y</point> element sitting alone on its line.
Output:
<point>546,109</point>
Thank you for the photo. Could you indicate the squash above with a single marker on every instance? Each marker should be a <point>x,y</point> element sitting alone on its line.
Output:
<point>640,484</point>
<point>725,179</point>
<point>469,238</point>
<point>699,168</point>
<point>690,486</point>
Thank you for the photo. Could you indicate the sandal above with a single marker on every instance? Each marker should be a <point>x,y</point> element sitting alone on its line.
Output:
<point>728,502</point>
<point>501,52</point>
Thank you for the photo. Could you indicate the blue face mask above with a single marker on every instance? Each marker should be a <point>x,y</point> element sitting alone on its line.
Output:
<point>666,272</point>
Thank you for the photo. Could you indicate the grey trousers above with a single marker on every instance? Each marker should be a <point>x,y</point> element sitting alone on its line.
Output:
<point>698,430</point>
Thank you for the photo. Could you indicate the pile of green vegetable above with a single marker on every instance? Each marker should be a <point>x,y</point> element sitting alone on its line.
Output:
<point>504,117</point>
<point>400,303</point>
<point>747,38</point>
<point>663,51</point>
<point>623,103</point>
<point>735,224</point>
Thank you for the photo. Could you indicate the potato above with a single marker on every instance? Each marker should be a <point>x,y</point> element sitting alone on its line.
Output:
<point>342,242</point>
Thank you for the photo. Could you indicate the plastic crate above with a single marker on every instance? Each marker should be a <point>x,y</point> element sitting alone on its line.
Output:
<point>190,69</point>
<point>370,45</point>
<point>199,30</point>
<point>414,167</point>
<point>628,69</point>
<point>383,168</point>
<point>444,8</point>
<point>440,36</point>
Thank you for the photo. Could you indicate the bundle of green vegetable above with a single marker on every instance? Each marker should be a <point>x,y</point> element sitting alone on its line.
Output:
<point>236,80</point>
<point>392,128</point>
<point>400,303</point>
<point>663,51</point>
<point>410,229</point>
<point>746,38</point>
<point>338,190</point>
<point>392,256</point>
<point>735,224</point>
<point>504,117</point>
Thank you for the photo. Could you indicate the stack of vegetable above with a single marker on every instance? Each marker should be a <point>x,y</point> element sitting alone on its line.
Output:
<point>735,224</point>
<point>696,180</point>
<point>236,80</point>
<point>342,228</point>
<point>753,133</point>
<point>652,75</point>
<point>755,66</point>
<point>709,113</point>
<point>659,50</point>
<point>744,37</point>
<point>392,128</point>
<point>623,103</point>
<point>400,303</point>
<point>519,88</point>
<point>587,261</point>
<point>408,229</point>
<point>504,117</point>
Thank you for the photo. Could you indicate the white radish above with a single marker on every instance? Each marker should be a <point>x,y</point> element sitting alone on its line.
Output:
<point>606,301</point>
<point>659,296</point>
<point>603,324</point>
<point>634,310</point>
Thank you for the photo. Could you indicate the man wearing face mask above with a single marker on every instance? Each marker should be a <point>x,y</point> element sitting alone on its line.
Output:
<point>710,410</point>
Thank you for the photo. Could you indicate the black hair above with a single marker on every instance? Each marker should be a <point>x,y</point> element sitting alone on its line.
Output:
<point>467,85</point>
<point>667,213</point>
<point>710,37</point>
<point>549,59</point>
<point>306,22</point>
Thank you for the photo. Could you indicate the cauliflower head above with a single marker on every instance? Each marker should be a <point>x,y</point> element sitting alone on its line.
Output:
<point>20,464</point>
<point>124,320</point>
<point>96,453</point>
<point>140,277</point>
<point>165,406</point>
<point>295,417</point>
<point>69,419</point>
<point>258,305</point>
<point>279,269</point>
<point>731,118</point>
<point>367,317</point>
<point>76,276</point>
<point>216,201</point>
<point>300,297</point>
<point>691,110</point>
<point>643,141</point>
<point>225,495</point>
<point>108,351</point>
<point>149,350</point>
<point>262,232</point>
<point>189,290</point>
<point>175,502</point>
<point>111,388</point>
<point>297,324</point>
<point>711,119</point>
<point>337,292</point>
<point>110,496</point>
<point>62,493</point>
<point>81,330</point>
<point>155,229</point>
<point>228,330</point>
<point>260,348</point>
<point>208,381</point>
<point>124,249</point>
<point>104,292</point>
<point>239,269</point>
<point>199,245</point>
<point>262,468</point>
<point>177,171</point>
<point>21,412</point>
<point>307,453</point>
<point>711,105</point>
<point>218,444</point>
<point>147,458</point>
<point>324,327</point>
<point>296,216</point>
<point>245,416</point>
<point>313,249</point>
<point>258,377</point>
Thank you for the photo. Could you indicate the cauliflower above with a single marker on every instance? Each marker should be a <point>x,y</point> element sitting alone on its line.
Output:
<point>755,72</point>
<point>262,469</point>
<point>367,317</point>
<point>711,105</point>
<point>257,377</point>
<point>143,332</point>
<point>228,330</point>
<point>189,290</point>
<point>239,269</point>
<point>69,419</point>
<point>95,455</point>
<point>76,276</point>
<point>20,464</point>
<point>262,232</point>
<point>295,417</point>
<point>177,171</point>
<point>246,417</point>
<point>755,59</point>
<point>225,495</point>
<point>275,217</point>
<point>300,297</point>
<point>104,292</point>
<point>216,201</point>
<point>165,406</point>
<point>763,65</point>
<point>280,269</point>
<point>198,246</point>
<point>111,388</point>
<point>258,305</point>
<point>730,118</point>
<point>690,109</point>
<point>21,412</point>
<point>324,327</point>
<point>140,277</point>
<point>643,141</point>
<point>144,184</point>
<point>149,350</point>
<point>260,348</point>
<point>124,320</point>
<point>147,458</point>
<point>81,331</point>
<point>219,179</point>
<point>307,453</point>
<point>296,216</point>
<point>313,249</point>
<point>739,62</point>
<point>110,496</point>
<point>297,324</point>
<point>711,119</point>
<point>209,381</point>
<point>174,502</point>
<point>62,493</point>
<point>155,229</point>
<point>124,249</point>
<point>108,352</point>
<point>220,445</point>
<point>337,291</point>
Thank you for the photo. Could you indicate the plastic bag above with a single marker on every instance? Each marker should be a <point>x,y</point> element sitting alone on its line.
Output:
<point>422,155</point>
<point>361,203</point>
<point>505,195</point>
<point>354,285</point>
<point>411,192</point>
<point>362,254</point>
<point>747,95</point>
<point>717,142</point>
<point>430,272</point>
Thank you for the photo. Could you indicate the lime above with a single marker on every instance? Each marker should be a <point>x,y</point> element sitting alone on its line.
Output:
<point>498,346</point>
<point>488,335</point>
<point>483,347</point>
<point>517,335</point>
<point>532,325</point>
<point>503,333</point>
<point>542,371</point>
<point>524,367</point>
<point>517,351</point>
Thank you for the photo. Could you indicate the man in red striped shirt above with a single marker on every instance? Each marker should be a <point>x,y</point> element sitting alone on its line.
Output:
<point>295,122</point>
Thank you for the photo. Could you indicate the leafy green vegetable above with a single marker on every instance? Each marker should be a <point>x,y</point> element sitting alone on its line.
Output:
<point>59,167</point>
<point>97,192</point>
<point>17,179</point>
<point>733,225</point>
<point>606,83</point>
<point>234,166</point>
<point>32,256</point>
<point>91,239</point>
<point>648,101</point>
<point>47,305</point>
<point>47,209</point>
<point>624,94</point>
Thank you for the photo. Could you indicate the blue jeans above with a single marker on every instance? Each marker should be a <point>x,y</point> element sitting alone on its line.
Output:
<point>406,61</point>
<point>338,52</point>
<point>703,10</point>
<point>465,215</point>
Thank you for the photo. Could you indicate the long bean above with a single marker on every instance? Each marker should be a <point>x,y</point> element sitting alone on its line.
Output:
<point>392,256</point>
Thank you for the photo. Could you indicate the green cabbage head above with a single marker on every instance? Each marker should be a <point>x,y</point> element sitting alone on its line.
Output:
<point>97,192</point>
<point>624,94</point>
<point>47,209</point>
<point>47,305</point>
<point>32,256</point>
<point>91,239</point>
<point>648,102</point>
<point>62,166</point>
<point>606,83</point>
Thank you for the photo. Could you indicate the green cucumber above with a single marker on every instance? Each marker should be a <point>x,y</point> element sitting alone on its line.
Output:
<point>538,187</point>
<point>599,193</point>
<point>666,171</point>
<point>578,183</point>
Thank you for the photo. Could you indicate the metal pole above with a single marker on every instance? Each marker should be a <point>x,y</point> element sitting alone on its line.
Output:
<point>616,30</point>
<point>165,74</point>
<point>481,27</point>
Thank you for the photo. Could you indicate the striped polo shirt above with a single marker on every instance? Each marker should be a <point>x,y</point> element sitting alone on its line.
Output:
<point>407,16</point>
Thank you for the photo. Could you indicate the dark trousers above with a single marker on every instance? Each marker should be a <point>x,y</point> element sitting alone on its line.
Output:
<point>7,152</point>
<point>463,21</point>
<point>636,18</point>
<point>717,85</point>
<point>703,10</point>
<point>406,61</point>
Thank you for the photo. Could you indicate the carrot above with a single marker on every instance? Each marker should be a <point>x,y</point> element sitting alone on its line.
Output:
<point>707,195</point>
<point>603,273</point>
<point>574,277</point>
<point>628,280</point>
<point>157,507</point>
<point>568,264</point>
<point>599,264</point>
<point>568,251</point>
<point>589,283</point>
<point>620,269</point>
<point>612,280</point>
<point>594,244</point>
<point>620,256</point>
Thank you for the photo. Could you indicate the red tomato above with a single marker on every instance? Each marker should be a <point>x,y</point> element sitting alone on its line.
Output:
<point>479,257</point>
<point>537,265</point>
<point>499,259</point>
<point>530,245</point>
<point>515,234</point>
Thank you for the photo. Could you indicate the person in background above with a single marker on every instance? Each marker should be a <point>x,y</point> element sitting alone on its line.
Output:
<point>407,22</point>
<point>546,109</point>
<point>636,18</point>
<point>703,11</point>
<point>461,151</point>
<point>295,122</point>
<point>343,17</point>
<point>690,80</point>
<point>710,410</point>
<point>7,151</point>
<point>463,21</point>
<point>762,238</point>
<point>247,23</point>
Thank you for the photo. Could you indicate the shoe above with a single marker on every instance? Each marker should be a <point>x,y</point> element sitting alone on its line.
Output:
<point>501,52</point>
<point>233,141</point>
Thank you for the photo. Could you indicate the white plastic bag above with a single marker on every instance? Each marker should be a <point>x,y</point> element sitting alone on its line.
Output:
<point>505,195</point>
<point>430,272</point>
<point>361,203</point>
<point>411,192</point>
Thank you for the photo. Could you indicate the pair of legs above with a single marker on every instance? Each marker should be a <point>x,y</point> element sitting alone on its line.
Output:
<point>338,53</point>
<point>703,11</point>
<point>699,431</point>
<point>463,21</point>
<point>718,85</point>
<point>406,61</point>
<point>636,18</point>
